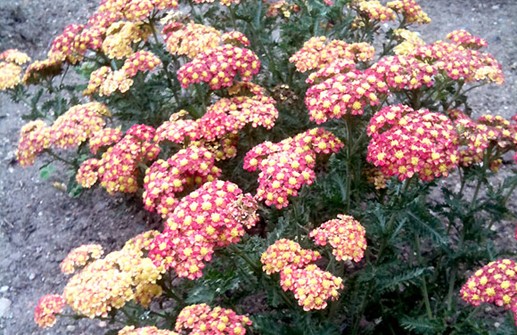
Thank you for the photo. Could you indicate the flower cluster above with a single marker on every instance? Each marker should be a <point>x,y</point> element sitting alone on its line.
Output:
<point>117,169</point>
<point>104,138</point>
<point>120,36</point>
<point>78,124</point>
<point>281,7</point>
<point>214,215</point>
<point>409,41</point>
<point>106,81</point>
<point>345,235</point>
<point>477,136</point>
<point>10,75</point>
<point>131,330</point>
<point>79,257</point>
<point>110,282</point>
<point>467,40</point>
<point>190,39</point>
<point>34,138</point>
<point>65,47</point>
<point>39,70</point>
<point>288,165</point>
<point>318,53</point>
<point>312,287</point>
<point>404,72</point>
<point>165,179</point>
<point>48,306</point>
<point>407,142</point>
<point>345,94</point>
<point>286,253</point>
<point>494,284</point>
<point>411,11</point>
<point>219,67</point>
<point>373,10</point>
<point>202,319</point>
<point>14,56</point>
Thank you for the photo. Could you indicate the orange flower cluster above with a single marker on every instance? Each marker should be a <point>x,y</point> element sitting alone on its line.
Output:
<point>34,138</point>
<point>78,124</point>
<point>286,253</point>
<point>110,282</point>
<point>407,142</point>
<point>371,10</point>
<point>404,72</point>
<point>477,136</point>
<point>345,235</point>
<point>47,308</point>
<point>411,11</point>
<point>133,10</point>
<point>131,330</point>
<point>214,215</point>
<point>164,180</point>
<point>281,7</point>
<point>467,40</point>
<point>104,138</point>
<point>120,36</point>
<point>494,283</point>
<point>202,319</point>
<point>117,169</point>
<point>106,81</point>
<point>312,287</point>
<point>459,63</point>
<point>288,165</point>
<point>345,94</point>
<point>40,70</point>
<point>318,53</point>
<point>219,67</point>
<point>79,257</point>
<point>10,75</point>
<point>190,39</point>
<point>14,56</point>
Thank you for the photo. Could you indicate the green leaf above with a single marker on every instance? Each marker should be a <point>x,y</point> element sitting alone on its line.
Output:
<point>46,171</point>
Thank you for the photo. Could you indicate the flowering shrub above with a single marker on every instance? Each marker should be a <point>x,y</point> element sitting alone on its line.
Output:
<point>309,181</point>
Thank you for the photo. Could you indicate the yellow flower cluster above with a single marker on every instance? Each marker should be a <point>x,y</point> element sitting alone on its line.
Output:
<point>79,257</point>
<point>10,70</point>
<point>410,40</point>
<point>14,56</point>
<point>120,36</point>
<point>190,39</point>
<point>411,11</point>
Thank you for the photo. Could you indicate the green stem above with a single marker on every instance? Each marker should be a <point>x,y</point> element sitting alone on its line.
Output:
<point>59,158</point>
<point>425,293</point>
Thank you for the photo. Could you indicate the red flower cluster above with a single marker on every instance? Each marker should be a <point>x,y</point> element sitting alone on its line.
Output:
<point>318,53</point>
<point>104,138</point>
<point>288,165</point>
<point>312,287</point>
<point>219,67</point>
<point>78,124</point>
<point>79,257</point>
<point>34,138</point>
<point>477,136</point>
<point>66,47</point>
<point>345,94</point>
<point>286,253</point>
<point>404,72</point>
<point>411,11</point>
<point>117,169</point>
<point>345,235</point>
<point>164,180</point>
<point>214,215</point>
<point>47,308</point>
<point>467,40</point>
<point>494,283</point>
<point>407,142</point>
<point>202,319</point>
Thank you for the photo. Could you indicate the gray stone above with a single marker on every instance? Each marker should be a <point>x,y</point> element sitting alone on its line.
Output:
<point>5,305</point>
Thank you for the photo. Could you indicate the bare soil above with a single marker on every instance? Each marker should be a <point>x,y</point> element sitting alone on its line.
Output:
<point>39,224</point>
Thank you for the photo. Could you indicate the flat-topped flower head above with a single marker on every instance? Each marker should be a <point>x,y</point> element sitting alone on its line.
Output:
<point>79,257</point>
<point>10,75</point>
<point>39,70</point>
<point>407,142</point>
<point>47,309</point>
<point>345,235</point>
<point>66,46</point>
<point>409,41</point>
<point>34,138</point>
<point>410,10</point>
<point>104,138</point>
<point>14,56</point>
<point>120,37</point>
<point>288,165</point>
<point>190,39</point>
<point>219,67</point>
<point>202,319</point>
<point>286,253</point>
<point>494,283</point>
<point>372,10</point>
<point>311,286</point>
<point>467,40</point>
<point>404,72</point>
<point>214,215</point>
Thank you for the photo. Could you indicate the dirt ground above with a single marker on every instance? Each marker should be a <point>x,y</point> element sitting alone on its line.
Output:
<point>40,224</point>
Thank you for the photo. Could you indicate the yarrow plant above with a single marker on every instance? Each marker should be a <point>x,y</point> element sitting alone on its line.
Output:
<point>315,164</point>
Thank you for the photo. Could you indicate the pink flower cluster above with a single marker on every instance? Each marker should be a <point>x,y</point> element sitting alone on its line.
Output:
<point>104,138</point>
<point>212,216</point>
<point>345,235</point>
<point>404,72</point>
<point>47,308</point>
<point>288,165</point>
<point>34,138</point>
<point>202,319</point>
<point>219,67</point>
<point>494,284</point>
<point>312,287</point>
<point>345,94</point>
<point>467,40</point>
<point>407,142</point>
<point>165,180</point>
<point>117,169</point>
